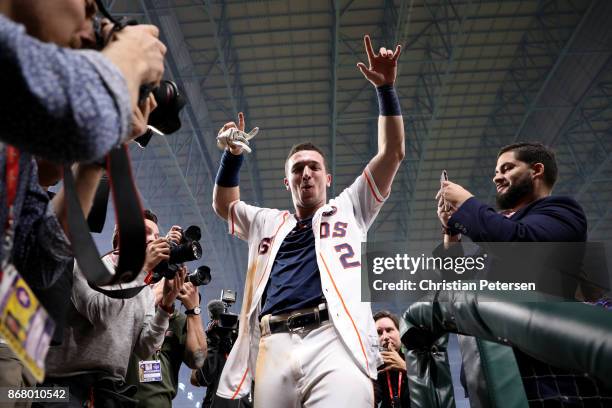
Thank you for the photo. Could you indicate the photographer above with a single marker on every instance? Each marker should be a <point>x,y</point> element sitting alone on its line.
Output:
<point>77,103</point>
<point>184,341</point>
<point>65,106</point>
<point>93,358</point>
<point>221,334</point>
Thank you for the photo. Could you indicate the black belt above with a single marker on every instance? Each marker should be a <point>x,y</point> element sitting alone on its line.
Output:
<point>298,321</point>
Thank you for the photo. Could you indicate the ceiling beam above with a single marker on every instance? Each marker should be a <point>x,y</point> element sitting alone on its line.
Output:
<point>171,34</point>
<point>227,58</point>
<point>433,85</point>
<point>333,88</point>
<point>523,79</point>
<point>551,73</point>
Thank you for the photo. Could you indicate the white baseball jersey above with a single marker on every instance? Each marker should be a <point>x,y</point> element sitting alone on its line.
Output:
<point>340,227</point>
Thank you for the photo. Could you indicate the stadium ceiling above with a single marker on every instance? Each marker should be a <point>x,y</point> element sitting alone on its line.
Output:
<point>473,76</point>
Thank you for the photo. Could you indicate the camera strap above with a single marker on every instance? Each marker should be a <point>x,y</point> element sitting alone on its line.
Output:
<point>126,293</point>
<point>97,214</point>
<point>130,222</point>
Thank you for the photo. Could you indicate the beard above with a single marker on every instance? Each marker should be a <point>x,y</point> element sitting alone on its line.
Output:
<point>515,193</point>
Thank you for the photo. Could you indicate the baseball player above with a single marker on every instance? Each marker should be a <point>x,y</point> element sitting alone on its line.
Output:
<point>305,338</point>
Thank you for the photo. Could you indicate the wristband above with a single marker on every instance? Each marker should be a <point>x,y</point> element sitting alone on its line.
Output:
<point>388,102</point>
<point>228,174</point>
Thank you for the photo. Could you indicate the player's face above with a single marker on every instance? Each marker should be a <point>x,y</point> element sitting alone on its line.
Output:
<point>307,179</point>
<point>388,334</point>
<point>513,182</point>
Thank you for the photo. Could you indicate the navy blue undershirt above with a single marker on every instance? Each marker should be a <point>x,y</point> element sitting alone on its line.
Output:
<point>294,280</point>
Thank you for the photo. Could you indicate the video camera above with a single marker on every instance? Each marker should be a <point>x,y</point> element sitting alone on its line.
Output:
<point>223,328</point>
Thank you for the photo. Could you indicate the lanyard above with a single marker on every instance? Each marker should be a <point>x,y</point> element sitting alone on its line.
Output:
<point>12,178</point>
<point>399,387</point>
<point>12,174</point>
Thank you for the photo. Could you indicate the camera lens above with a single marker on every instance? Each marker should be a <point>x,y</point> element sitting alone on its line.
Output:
<point>196,249</point>
<point>200,276</point>
<point>188,251</point>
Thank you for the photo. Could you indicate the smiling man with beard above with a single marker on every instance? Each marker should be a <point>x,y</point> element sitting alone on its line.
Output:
<point>528,212</point>
<point>524,178</point>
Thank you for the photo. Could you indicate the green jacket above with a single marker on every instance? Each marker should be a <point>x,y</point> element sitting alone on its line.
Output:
<point>545,330</point>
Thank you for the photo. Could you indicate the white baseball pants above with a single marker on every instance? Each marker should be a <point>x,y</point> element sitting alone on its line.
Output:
<point>311,369</point>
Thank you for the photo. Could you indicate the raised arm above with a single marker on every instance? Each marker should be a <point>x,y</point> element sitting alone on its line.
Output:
<point>381,73</point>
<point>226,189</point>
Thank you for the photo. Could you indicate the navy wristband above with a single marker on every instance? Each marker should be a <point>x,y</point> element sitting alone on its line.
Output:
<point>388,102</point>
<point>229,170</point>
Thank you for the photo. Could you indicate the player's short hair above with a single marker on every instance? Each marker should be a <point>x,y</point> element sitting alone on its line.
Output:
<point>148,215</point>
<point>305,146</point>
<point>385,313</point>
<point>532,153</point>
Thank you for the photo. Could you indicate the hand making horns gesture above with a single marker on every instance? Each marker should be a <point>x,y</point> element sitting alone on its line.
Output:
<point>383,66</point>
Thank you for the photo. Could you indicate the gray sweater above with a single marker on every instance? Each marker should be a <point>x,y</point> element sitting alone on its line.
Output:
<point>103,332</point>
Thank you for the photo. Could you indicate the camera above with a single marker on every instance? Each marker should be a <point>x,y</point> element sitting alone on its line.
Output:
<point>223,329</point>
<point>165,117</point>
<point>199,277</point>
<point>170,101</point>
<point>226,319</point>
<point>188,249</point>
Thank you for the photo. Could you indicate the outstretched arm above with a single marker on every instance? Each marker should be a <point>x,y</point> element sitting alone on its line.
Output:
<point>381,73</point>
<point>226,189</point>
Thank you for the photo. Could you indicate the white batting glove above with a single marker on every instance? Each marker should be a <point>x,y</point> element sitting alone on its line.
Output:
<point>236,138</point>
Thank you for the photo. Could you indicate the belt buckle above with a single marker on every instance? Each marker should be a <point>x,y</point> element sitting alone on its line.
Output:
<point>300,326</point>
<point>289,323</point>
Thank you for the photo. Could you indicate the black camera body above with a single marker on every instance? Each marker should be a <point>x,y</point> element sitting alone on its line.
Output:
<point>188,249</point>
<point>170,101</point>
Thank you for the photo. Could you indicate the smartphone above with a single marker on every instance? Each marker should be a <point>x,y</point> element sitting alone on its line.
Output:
<point>444,176</point>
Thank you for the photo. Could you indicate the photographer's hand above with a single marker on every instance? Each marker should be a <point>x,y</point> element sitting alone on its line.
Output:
<point>175,234</point>
<point>189,296</point>
<point>157,251</point>
<point>139,55</point>
<point>140,116</point>
<point>172,288</point>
